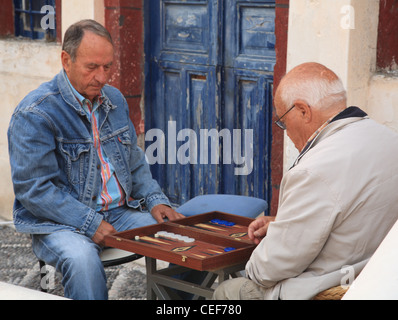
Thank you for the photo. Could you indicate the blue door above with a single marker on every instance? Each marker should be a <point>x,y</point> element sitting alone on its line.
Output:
<point>208,106</point>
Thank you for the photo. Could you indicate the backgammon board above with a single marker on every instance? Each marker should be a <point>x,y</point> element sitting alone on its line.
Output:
<point>208,241</point>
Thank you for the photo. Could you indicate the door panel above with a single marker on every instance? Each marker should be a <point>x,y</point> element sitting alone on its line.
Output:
<point>208,96</point>
<point>250,30</point>
<point>187,31</point>
<point>185,169</point>
<point>247,97</point>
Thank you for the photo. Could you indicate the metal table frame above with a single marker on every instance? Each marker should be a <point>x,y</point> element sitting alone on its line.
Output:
<point>160,282</point>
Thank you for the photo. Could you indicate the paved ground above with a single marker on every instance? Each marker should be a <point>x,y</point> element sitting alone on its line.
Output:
<point>19,266</point>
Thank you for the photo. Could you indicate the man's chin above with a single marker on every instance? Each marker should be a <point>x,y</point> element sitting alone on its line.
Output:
<point>94,93</point>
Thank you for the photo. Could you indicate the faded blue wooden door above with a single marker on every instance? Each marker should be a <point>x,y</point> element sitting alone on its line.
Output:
<point>209,73</point>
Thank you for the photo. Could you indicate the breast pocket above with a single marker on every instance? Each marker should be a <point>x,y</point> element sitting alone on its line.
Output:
<point>76,160</point>
<point>125,142</point>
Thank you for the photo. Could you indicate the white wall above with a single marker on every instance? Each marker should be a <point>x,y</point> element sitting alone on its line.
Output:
<point>76,10</point>
<point>383,99</point>
<point>24,65</point>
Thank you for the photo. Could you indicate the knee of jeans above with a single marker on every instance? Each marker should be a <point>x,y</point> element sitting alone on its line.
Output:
<point>83,259</point>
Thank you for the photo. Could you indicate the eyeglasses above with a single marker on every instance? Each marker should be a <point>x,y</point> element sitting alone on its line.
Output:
<point>281,124</point>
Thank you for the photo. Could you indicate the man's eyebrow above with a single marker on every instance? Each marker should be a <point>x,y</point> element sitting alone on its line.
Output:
<point>92,64</point>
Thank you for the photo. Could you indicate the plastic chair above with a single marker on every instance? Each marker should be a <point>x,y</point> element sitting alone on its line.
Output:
<point>109,256</point>
<point>234,204</point>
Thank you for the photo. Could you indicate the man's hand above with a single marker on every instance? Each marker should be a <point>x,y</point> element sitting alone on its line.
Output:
<point>103,230</point>
<point>258,228</point>
<point>162,211</point>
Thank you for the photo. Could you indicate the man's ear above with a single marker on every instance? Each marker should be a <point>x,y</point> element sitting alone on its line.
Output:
<point>304,110</point>
<point>66,60</point>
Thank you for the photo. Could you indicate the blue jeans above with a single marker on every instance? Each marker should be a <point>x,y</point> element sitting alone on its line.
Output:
<point>76,256</point>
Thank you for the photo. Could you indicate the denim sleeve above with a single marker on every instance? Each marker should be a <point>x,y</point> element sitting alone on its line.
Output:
<point>35,171</point>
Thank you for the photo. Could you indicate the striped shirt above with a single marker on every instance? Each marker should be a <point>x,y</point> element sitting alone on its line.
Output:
<point>112,194</point>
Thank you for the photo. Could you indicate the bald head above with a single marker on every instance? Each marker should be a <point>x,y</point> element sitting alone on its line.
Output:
<point>314,84</point>
<point>312,70</point>
<point>312,94</point>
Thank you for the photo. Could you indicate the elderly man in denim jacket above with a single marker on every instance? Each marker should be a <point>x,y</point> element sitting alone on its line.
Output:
<point>77,171</point>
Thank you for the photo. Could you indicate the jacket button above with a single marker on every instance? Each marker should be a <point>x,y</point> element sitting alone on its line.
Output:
<point>98,166</point>
<point>94,198</point>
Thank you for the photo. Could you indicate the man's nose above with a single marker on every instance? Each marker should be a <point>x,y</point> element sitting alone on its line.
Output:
<point>101,75</point>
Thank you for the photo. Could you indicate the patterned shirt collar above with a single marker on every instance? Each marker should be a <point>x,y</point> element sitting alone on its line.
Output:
<point>85,103</point>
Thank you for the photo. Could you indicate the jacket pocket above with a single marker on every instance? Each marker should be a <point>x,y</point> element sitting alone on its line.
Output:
<point>76,160</point>
<point>125,140</point>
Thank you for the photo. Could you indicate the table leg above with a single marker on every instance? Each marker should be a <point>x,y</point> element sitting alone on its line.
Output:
<point>150,271</point>
<point>160,282</point>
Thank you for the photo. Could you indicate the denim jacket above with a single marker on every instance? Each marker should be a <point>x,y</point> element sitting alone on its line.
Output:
<point>54,164</point>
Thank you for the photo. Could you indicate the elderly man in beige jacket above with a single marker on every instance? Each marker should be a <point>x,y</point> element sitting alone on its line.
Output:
<point>337,202</point>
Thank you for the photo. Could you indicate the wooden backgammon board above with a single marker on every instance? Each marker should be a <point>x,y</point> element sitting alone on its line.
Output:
<point>207,241</point>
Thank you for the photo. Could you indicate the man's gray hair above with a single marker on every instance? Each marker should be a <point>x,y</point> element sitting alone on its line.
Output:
<point>74,35</point>
<point>319,93</point>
